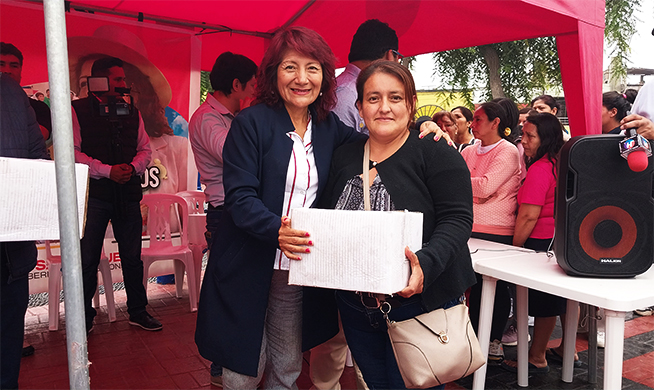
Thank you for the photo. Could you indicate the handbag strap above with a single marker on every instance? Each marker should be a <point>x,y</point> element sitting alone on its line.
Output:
<point>381,298</point>
<point>366,176</point>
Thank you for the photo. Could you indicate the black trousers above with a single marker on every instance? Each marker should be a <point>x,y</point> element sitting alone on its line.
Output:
<point>14,297</point>
<point>502,304</point>
<point>127,225</point>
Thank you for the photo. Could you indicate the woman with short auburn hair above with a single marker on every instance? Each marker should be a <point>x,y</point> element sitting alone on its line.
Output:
<point>310,43</point>
<point>276,157</point>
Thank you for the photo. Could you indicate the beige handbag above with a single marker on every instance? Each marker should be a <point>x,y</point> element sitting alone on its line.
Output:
<point>433,348</point>
<point>436,347</point>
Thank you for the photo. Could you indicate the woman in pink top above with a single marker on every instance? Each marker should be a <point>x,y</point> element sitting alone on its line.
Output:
<point>494,165</point>
<point>542,139</point>
<point>535,222</point>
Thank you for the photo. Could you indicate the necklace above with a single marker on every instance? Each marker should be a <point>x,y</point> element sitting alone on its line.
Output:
<point>372,164</point>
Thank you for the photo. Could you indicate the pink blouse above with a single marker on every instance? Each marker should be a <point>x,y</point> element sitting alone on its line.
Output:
<point>538,189</point>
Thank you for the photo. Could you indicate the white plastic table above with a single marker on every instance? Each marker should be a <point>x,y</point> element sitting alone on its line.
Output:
<point>536,271</point>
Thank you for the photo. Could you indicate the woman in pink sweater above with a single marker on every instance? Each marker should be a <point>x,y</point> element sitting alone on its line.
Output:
<point>494,165</point>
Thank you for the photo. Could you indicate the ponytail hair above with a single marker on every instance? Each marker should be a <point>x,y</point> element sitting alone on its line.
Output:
<point>494,110</point>
<point>512,117</point>
<point>620,101</point>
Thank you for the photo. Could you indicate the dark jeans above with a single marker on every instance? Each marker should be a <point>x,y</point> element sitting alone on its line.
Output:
<point>127,225</point>
<point>213,221</point>
<point>502,303</point>
<point>13,300</point>
<point>367,337</point>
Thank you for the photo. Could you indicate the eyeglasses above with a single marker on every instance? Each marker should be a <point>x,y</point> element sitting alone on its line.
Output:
<point>398,55</point>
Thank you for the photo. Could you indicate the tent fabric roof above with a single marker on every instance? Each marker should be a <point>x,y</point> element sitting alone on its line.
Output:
<point>245,25</point>
<point>418,22</point>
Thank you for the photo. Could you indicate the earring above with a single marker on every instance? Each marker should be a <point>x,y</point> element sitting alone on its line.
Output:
<point>507,131</point>
<point>320,94</point>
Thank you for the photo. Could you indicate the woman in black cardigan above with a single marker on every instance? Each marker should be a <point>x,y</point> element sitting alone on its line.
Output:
<point>406,172</point>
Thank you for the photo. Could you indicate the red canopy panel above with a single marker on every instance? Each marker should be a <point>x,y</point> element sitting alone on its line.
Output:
<point>428,26</point>
<point>247,15</point>
<point>422,25</point>
<point>170,51</point>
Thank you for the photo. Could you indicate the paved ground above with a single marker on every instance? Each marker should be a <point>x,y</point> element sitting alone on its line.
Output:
<point>126,357</point>
<point>638,363</point>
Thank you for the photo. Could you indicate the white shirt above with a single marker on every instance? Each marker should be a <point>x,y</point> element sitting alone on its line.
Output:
<point>346,93</point>
<point>301,182</point>
<point>207,132</point>
<point>487,148</point>
<point>644,103</point>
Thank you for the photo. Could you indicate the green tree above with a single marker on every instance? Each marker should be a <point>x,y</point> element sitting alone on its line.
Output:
<point>523,69</point>
<point>620,22</point>
<point>205,86</point>
<point>409,62</point>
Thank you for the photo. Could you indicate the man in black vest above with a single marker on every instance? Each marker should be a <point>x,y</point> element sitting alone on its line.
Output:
<point>110,138</point>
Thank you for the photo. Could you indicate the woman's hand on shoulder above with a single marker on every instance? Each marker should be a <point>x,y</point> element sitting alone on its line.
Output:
<point>417,276</point>
<point>431,127</point>
<point>292,241</point>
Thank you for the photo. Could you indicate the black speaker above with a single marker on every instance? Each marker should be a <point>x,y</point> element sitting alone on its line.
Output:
<point>604,211</point>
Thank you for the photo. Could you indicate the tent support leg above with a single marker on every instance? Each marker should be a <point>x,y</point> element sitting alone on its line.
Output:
<point>57,51</point>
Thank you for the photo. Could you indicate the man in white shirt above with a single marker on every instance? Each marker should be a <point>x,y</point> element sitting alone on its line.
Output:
<point>373,40</point>
<point>233,81</point>
<point>641,117</point>
<point>642,114</point>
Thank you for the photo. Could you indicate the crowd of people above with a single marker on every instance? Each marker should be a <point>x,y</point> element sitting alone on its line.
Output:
<point>506,195</point>
<point>491,174</point>
<point>513,171</point>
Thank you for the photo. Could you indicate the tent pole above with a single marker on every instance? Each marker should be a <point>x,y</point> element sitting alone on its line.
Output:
<point>58,74</point>
<point>298,14</point>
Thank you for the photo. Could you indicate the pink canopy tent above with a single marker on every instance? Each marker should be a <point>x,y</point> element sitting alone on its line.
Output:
<point>182,37</point>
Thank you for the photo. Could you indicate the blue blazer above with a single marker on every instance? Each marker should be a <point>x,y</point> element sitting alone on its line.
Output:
<point>234,294</point>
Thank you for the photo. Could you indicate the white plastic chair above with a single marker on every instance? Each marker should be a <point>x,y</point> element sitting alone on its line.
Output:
<point>54,286</point>
<point>161,244</point>
<point>195,200</point>
<point>197,226</point>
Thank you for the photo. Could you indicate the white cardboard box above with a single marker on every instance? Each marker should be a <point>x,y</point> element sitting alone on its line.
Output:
<point>28,199</point>
<point>356,250</point>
